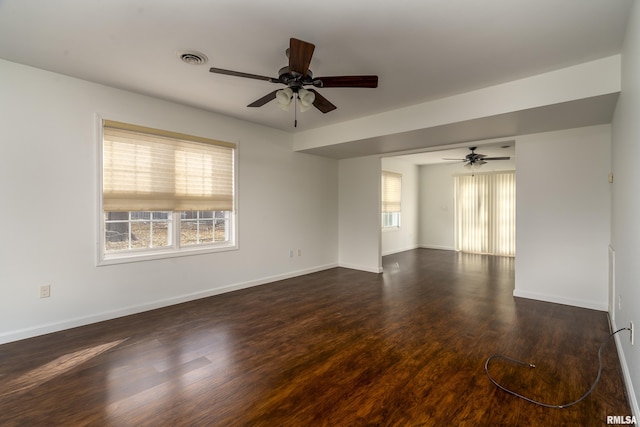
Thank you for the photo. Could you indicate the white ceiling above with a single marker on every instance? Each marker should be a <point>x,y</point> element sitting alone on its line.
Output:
<point>421,49</point>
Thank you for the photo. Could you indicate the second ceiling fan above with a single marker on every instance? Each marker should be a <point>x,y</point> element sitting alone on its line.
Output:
<point>474,159</point>
<point>297,75</point>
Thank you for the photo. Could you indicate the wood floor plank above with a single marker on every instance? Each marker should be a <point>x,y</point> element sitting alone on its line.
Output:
<point>334,348</point>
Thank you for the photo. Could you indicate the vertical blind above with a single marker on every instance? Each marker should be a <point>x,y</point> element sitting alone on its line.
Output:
<point>148,169</point>
<point>486,213</point>
<point>391,191</point>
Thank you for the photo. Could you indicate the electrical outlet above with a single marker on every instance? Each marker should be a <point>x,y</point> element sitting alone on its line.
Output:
<point>299,252</point>
<point>291,253</point>
<point>631,332</point>
<point>45,291</point>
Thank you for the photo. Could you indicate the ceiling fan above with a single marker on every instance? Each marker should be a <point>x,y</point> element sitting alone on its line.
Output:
<point>474,159</point>
<point>297,75</point>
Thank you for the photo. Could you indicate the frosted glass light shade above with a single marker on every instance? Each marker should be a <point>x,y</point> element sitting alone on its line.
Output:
<point>283,97</point>
<point>306,99</point>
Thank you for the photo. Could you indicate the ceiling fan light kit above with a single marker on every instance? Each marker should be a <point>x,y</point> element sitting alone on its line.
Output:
<point>474,165</point>
<point>297,75</point>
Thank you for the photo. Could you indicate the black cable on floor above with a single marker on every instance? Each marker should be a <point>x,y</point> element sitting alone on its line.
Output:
<point>531,365</point>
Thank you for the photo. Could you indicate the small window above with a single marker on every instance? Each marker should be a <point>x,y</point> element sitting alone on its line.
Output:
<point>164,194</point>
<point>391,199</point>
<point>391,220</point>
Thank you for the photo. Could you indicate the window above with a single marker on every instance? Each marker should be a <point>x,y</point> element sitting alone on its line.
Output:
<point>486,213</point>
<point>391,199</point>
<point>164,194</point>
<point>390,219</point>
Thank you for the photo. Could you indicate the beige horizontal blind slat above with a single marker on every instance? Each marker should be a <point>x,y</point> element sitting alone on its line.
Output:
<point>391,191</point>
<point>159,171</point>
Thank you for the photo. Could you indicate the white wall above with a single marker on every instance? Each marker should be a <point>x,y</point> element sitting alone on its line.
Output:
<point>48,191</point>
<point>359,217</point>
<point>594,78</point>
<point>625,230</point>
<point>437,206</point>
<point>563,216</point>
<point>406,237</point>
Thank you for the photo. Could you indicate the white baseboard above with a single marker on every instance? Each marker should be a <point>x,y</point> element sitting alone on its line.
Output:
<point>361,268</point>
<point>633,400</point>
<point>397,251</point>
<point>442,248</point>
<point>108,315</point>
<point>593,305</point>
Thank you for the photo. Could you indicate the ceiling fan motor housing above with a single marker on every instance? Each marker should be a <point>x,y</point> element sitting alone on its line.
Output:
<point>293,80</point>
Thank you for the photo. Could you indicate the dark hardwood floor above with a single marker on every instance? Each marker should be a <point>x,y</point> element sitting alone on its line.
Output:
<point>334,348</point>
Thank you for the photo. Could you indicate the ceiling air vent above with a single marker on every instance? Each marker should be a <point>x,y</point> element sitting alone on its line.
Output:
<point>193,57</point>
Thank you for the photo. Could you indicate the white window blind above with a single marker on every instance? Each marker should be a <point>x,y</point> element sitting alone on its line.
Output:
<point>486,213</point>
<point>148,169</point>
<point>391,192</point>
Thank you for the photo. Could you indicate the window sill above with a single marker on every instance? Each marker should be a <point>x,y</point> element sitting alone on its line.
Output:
<point>161,253</point>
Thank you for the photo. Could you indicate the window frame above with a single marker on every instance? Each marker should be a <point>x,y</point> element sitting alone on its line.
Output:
<point>176,249</point>
<point>398,216</point>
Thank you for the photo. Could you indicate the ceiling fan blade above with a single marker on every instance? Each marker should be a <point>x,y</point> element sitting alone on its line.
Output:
<point>260,102</point>
<point>246,75</point>
<point>300,53</point>
<point>322,103</point>
<point>459,160</point>
<point>497,158</point>
<point>347,81</point>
